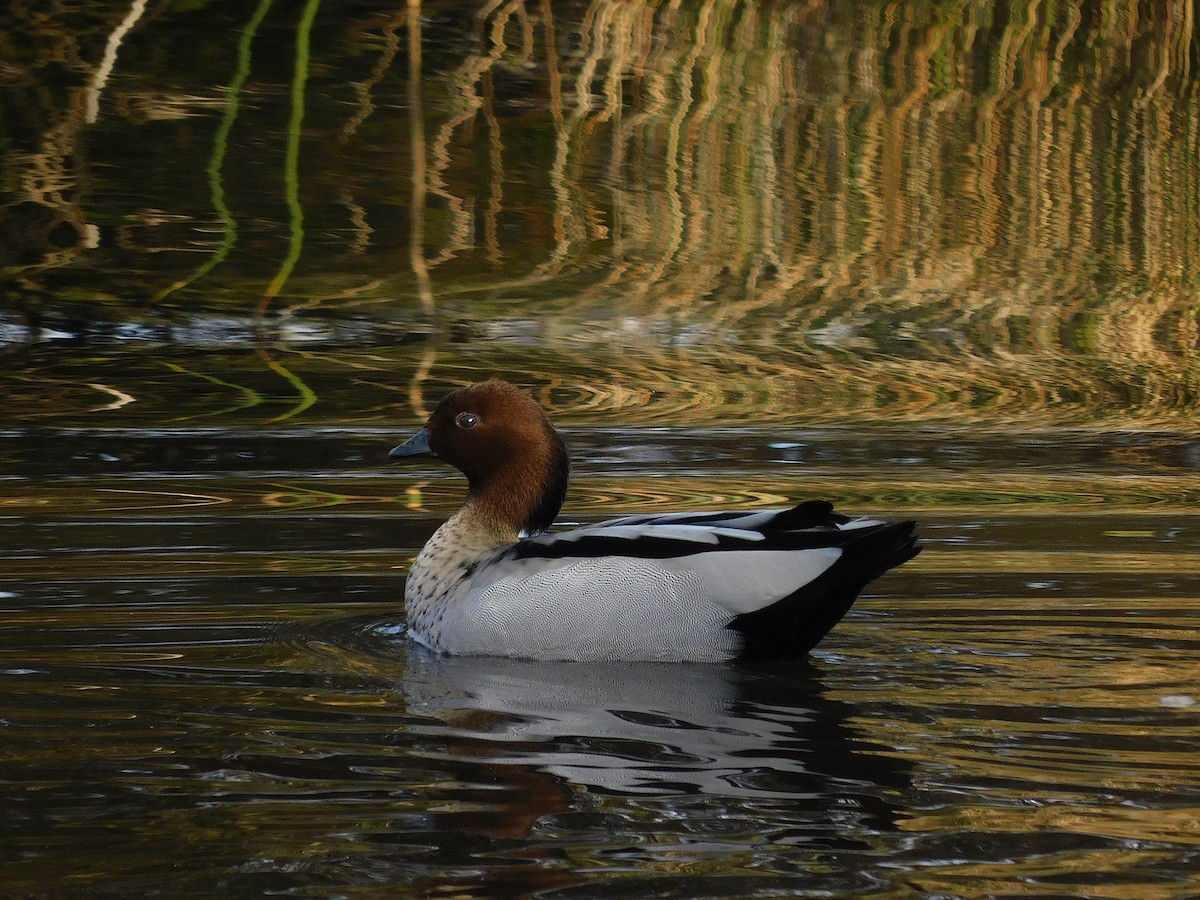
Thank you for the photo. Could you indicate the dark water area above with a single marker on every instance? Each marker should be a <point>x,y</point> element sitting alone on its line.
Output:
<point>927,261</point>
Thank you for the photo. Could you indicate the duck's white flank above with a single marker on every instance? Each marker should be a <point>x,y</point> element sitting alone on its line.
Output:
<point>684,586</point>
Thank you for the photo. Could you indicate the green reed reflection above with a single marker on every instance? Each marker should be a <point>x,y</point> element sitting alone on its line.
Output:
<point>216,165</point>
<point>291,170</point>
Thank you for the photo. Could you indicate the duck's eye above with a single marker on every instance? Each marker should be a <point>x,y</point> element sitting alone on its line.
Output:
<point>467,420</point>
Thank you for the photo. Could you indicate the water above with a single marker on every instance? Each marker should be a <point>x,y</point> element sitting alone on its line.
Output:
<point>927,262</point>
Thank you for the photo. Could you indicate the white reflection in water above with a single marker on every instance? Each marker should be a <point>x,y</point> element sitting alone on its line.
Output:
<point>644,727</point>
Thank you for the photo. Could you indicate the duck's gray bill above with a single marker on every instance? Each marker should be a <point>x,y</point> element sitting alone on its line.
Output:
<point>416,445</point>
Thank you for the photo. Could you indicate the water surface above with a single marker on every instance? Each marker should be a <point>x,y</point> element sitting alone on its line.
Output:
<point>927,261</point>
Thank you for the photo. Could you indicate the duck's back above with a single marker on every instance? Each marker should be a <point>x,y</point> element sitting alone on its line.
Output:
<point>698,586</point>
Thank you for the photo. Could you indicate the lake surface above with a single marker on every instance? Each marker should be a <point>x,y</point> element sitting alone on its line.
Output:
<point>927,261</point>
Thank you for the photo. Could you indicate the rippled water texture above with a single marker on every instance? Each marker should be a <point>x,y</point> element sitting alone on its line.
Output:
<point>936,261</point>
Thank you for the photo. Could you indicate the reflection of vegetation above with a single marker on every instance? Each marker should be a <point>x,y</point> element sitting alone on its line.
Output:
<point>305,395</point>
<point>291,170</point>
<point>968,212</point>
<point>250,397</point>
<point>216,164</point>
<point>105,68</point>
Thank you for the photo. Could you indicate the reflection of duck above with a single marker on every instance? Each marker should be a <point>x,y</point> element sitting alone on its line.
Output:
<point>655,729</point>
<point>689,586</point>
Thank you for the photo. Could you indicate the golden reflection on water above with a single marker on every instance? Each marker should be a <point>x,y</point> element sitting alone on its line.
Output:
<point>886,222</point>
<point>964,214</point>
<point>592,495</point>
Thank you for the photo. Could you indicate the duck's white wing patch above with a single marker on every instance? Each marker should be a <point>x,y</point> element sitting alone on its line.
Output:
<point>694,534</point>
<point>688,537</point>
<point>620,607</point>
<point>738,520</point>
<point>859,523</point>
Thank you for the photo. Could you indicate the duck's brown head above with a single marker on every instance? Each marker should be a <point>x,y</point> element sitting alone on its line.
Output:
<point>500,438</point>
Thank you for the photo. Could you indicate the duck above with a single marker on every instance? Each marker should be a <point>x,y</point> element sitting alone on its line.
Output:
<point>494,580</point>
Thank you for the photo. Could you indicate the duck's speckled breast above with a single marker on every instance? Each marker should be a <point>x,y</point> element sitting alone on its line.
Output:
<point>441,575</point>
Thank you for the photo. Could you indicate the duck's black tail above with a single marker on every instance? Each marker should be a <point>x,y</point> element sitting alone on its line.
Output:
<point>795,624</point>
